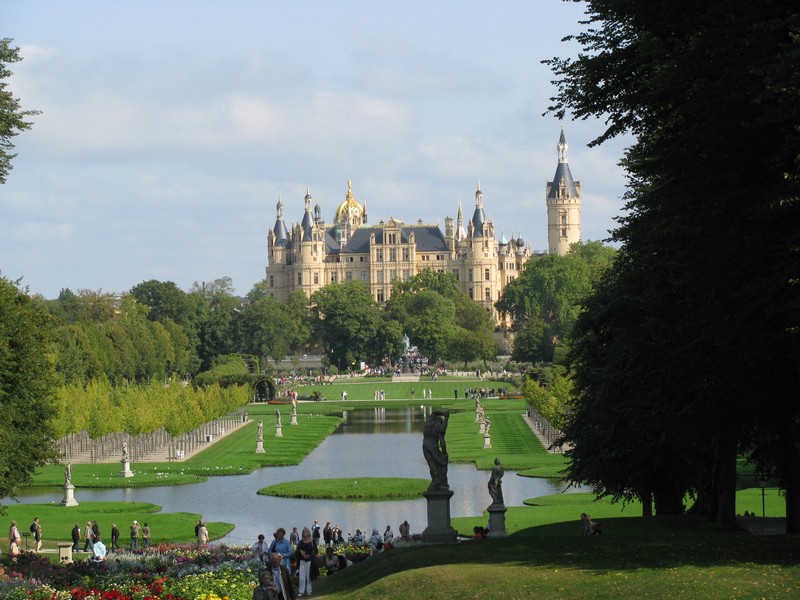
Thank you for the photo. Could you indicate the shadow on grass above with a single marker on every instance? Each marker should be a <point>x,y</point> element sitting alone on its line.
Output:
<point>627,544</point>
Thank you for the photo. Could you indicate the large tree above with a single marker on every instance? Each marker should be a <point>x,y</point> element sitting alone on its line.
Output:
<point>12,117</point>
<point>27,389</point>
<point>703,296</point>
<point>346,321</point>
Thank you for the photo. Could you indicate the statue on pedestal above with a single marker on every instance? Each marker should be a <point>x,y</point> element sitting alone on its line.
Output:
<point>260,437</point>
<point>434,448</point>
<point>125,457</point>
<point>68,475</point>
<point>496,483</point>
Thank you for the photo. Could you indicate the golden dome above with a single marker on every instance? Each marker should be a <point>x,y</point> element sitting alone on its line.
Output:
<point>350,209</point>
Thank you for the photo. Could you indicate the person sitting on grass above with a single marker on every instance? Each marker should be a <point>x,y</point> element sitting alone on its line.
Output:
<point>594,528</point>
<point>98,550</point>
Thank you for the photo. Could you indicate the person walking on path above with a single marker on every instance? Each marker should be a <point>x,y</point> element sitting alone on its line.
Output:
<point>76,538</point>
<point>87,537</point>
<point>114,537</point>
<point>36,530</point>
<point>135,535</point>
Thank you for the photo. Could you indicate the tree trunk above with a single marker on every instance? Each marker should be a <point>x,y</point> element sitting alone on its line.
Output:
<point>792,479</point>
<point>647,503</point>
<point>726,508</point>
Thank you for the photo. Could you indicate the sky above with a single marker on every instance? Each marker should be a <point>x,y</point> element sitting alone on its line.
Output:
<point>169,130</point>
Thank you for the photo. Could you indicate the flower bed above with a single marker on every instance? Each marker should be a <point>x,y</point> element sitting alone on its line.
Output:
<point>162,572</point>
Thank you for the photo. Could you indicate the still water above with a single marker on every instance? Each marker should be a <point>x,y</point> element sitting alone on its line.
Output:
<point>370,443</point>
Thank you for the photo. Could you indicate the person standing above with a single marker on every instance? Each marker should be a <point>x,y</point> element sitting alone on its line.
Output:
<point>315,533</point>
<point>36,530</point>
<point>388,535</point>
<point>327,533</point>
<point>260,549</point>
<point>134,535</point>
<point>202,534</point>
<point>405,531</point>
<point>114,537</point>
<point>76,538</point>
<point>266,589</point>
<point>87,537</point>
<point>14,540</point>
<point>145,536</point>
<point>95,531</point>
<point>281,577</point>
<point>294,537</point>
<point>282,547</point>
<point>307,552</point>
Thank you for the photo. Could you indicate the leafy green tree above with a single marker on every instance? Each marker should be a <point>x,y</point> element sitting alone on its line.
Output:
<point>445,284</point>
<point>216,327</point>
<point>27,389</point>
<point>476,320</point>
<point>12,117</point>
<point>533,343</point>
<point>265,329</point>
<point>703,293</point>
<point>297,311</point>
<point>430,323</point>
<point>346,320</point>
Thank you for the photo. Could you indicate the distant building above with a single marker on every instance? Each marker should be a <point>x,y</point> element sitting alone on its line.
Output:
<point>563,196</point>
<point>313,253</point>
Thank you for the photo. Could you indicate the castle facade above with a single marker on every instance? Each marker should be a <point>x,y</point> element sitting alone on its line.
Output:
<point>314,253</point>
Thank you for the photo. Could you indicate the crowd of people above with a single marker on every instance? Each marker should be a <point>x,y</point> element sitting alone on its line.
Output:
<point>291,565</point>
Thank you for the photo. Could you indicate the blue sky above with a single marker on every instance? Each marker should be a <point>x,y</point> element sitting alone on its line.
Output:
<point>170,129</point>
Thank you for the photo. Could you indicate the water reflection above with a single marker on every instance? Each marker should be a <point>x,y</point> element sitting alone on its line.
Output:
<point>371,443</point>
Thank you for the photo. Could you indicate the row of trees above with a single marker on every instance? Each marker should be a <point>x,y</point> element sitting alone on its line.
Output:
<point>157,329</point>
<point>101,408</point>
<point>687,354</point>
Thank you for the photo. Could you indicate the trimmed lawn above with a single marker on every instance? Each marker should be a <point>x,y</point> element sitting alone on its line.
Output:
<point>58,521</point>
<point>363,488</point>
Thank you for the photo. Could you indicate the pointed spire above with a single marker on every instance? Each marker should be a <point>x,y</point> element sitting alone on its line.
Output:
<point>562,147</point>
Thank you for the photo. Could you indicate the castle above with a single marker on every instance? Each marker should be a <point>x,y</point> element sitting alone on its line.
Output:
<point>311,254</point>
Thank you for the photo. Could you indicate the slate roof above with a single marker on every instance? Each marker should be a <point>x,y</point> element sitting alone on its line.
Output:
<point>429,238</point>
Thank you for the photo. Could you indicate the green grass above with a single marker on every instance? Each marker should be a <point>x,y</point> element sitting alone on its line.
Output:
<point>232,455</point>
<point>363,488</point>
<point>364,388</point>
<point>674,557</point>
<point>57,522</point>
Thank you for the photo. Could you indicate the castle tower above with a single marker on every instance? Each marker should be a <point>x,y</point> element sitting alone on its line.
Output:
<point>563,196</point>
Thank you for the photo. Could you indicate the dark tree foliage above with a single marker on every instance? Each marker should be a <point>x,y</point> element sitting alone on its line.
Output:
<point>688,353</point>
<point>27,387</point>
<point>12,117</point>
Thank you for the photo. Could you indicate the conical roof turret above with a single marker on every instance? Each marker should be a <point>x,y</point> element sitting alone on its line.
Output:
<point>280,231</point>
<point>563,185</point>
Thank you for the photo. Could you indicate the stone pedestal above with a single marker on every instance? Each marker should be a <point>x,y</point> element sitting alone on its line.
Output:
<point>69,496</point>
<point>497,521</point>
<point>260,448</point>
<point>487,441</point>
<point>438,530</point>
<point>481,427</point>
<point>294,419</point>
<point>278,431</point>
<point>64,552</point>
<point>126,468</point>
